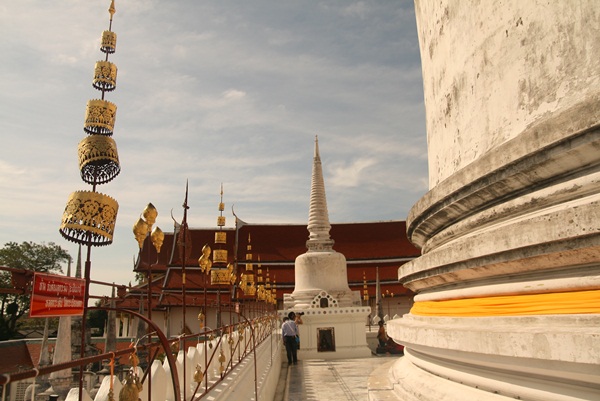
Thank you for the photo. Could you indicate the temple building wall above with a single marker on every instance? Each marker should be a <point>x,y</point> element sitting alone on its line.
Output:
<point>508,285</point>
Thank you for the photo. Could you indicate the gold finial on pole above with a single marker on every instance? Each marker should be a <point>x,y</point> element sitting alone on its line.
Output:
<point>112,10</point>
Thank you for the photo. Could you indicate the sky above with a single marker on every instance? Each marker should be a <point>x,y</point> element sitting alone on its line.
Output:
<point>227,92</point>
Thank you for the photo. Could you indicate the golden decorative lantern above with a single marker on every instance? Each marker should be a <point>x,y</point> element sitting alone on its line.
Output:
<point>100,117</point>
<point>259,269</point>
<point>260,293</point>
<point>220,237</point>
<point>250,290</point>
<point>105,76</point>
<point>89,217</point>
<point>219,277</point>
<point>98,159</point>
<point>108,43</point>
<point>267,281</point>
<point>220,256</point>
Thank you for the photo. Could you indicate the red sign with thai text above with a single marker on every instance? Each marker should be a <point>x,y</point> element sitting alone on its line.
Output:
<point>54,295</point>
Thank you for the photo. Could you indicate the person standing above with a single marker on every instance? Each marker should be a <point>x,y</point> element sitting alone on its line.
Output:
<point>289,331</point>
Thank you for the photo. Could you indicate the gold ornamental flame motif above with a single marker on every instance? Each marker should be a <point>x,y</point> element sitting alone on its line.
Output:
<point>140,230</point>
<point>204,261</point>
<point>158,238</point>
<point>150,214</point>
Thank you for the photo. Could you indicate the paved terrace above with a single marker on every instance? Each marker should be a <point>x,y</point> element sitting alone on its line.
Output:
<point>334,380</point>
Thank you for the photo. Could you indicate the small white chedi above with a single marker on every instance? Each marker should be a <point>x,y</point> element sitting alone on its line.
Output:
<point>333,320</point>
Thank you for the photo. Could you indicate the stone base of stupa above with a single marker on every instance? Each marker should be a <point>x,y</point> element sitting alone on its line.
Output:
<point>333,333</point>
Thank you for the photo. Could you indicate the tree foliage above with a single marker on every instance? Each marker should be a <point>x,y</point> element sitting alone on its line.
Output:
<point>28,256</point>
<point>97,319</point>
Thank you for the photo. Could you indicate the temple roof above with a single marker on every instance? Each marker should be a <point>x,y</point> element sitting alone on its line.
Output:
<point>366,246</point>
<point>282,243</point>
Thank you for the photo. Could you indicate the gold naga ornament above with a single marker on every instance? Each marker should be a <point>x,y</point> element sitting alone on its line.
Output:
<point>204,261</point>
<point>89,217</point>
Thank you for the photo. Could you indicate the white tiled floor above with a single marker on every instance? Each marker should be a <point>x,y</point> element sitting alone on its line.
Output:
<point>344,379</point>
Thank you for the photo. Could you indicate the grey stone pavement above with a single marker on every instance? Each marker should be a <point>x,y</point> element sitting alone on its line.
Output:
<point>331,380</point>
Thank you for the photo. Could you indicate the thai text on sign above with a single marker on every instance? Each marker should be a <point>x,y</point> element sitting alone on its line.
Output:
<point>54,295</point>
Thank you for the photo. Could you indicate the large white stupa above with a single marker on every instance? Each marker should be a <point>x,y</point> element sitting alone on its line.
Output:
<point>334,319</point>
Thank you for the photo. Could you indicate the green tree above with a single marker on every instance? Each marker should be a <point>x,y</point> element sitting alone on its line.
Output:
<point>31,257</point>
<point>97,319</point>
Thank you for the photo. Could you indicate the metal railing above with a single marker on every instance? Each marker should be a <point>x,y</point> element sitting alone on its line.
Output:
<point>241,339</point>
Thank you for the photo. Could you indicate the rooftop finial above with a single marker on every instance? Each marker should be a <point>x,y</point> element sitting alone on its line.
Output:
<point>112,10</point>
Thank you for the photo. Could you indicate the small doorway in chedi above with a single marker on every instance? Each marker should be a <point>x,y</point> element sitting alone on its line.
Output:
<point>326,339</point>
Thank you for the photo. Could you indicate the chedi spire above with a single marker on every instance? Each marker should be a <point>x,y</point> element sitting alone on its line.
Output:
<point>321,271</point>
<point>318,217</point>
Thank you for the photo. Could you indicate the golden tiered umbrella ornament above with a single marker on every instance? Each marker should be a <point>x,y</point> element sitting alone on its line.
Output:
<point>89,217</point>
<point>247,283</point>
<point>222,273</point>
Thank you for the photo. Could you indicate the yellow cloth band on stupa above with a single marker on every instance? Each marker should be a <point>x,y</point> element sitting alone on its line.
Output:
<point>575,302</point>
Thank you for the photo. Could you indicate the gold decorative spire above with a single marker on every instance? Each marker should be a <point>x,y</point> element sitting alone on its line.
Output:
<point>89,217</point>
<point>221,274</point>
<point>247,281</point>
<point>365,290</point>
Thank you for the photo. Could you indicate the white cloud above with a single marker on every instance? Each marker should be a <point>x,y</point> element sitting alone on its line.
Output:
<point>351,174</point>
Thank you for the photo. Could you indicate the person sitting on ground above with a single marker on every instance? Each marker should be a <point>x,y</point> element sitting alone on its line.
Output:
<point>381,335</point>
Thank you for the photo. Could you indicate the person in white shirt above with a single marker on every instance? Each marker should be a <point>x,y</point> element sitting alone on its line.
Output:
<point>289,331</point>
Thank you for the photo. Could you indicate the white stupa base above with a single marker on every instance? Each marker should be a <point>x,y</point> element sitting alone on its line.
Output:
<point>333,333</point>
